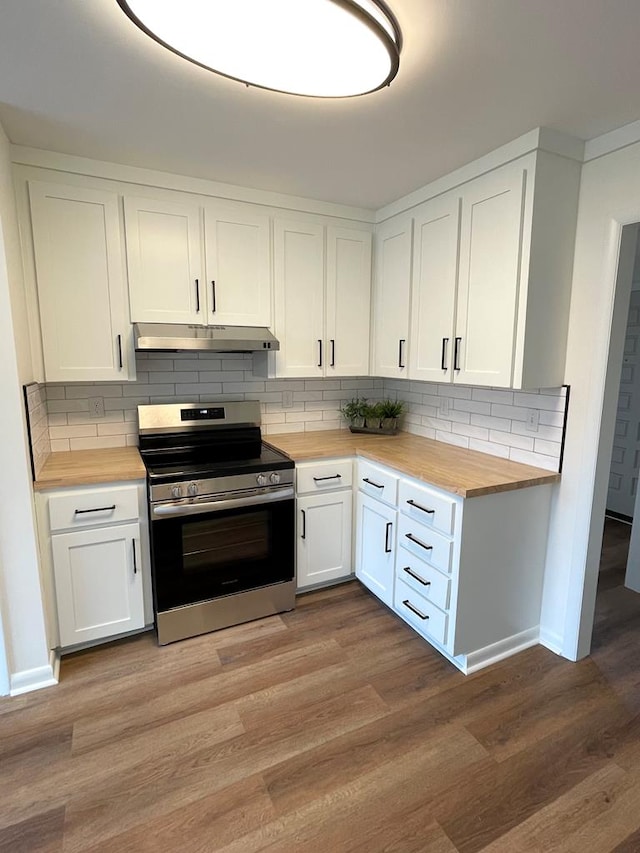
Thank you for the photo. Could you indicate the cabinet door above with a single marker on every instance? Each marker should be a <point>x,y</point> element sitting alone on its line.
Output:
<point>81,284</point>
<point>348,302</point>
<point>98,581</point>
<point>433,291</point>
<point>238,258</point>
<point>490,248</point>
<point>324,538</point>
<point>391,298</point>
<point>299,298</point>
<point>375,546</point>
<point>164,261</point>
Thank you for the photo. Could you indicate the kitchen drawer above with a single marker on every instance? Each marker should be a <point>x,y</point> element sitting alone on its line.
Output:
<point>92,507</point>
<point>377,482</point>
<point>323,476</point>
<point>427,506</point>
<point>421,614</point>
<point>425,543</point>
<point>423,578</point>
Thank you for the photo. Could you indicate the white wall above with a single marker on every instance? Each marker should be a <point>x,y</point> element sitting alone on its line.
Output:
<point>609,199</point>
<point>20,593</point>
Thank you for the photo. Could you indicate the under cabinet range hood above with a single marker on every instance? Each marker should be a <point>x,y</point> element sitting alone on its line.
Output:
<point>163,337</point>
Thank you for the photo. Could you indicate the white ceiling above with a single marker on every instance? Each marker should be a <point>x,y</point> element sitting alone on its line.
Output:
<point>77,76</point>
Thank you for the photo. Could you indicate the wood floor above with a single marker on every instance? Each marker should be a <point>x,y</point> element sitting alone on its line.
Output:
<point>333,728</point>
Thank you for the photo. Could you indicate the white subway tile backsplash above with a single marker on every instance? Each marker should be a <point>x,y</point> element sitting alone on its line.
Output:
<point>555,419</point>
<point>548,448</point>
<point>537,459</point>
<point>514,413</point>
<point>451,438</point>
<point>117,429</point>
<point>77,431</point>
<point>181,376</point>
<point>59,444</point>
<point>539,401</point>
<point>490,422</point>
<point>492,395</point>
<point>478,407</point>
<point>489,447</point>
<point>471,431</point>
<point>301,417</point>
<point>512,439</point>
<point>323,385</point>
<point>549,433</point>
<point>317,426</point>
<point>461,392</point>
<point>98,442</point>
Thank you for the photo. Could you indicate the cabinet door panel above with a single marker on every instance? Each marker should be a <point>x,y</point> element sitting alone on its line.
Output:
<point>391,299</point>
<point>98,586</point>
<point>490,245</point>
<point>375,546</point>
<point>81,285</point>
<point>238,267</point>
<point>348,302</point>
<point>324,538</point>
<point>299,298</point>
<point>435,270</point>
<point>164,260</point>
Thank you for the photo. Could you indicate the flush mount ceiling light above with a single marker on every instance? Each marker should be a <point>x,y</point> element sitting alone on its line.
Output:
<point>321,48</point>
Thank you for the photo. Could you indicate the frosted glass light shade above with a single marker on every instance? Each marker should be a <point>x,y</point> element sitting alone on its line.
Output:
<point>320,48</point>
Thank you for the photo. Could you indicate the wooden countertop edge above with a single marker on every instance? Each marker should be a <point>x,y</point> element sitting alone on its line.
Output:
<point>90,468</point>
<point>41,485</point>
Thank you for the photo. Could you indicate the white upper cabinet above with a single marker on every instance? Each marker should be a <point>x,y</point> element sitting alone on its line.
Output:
<point>238,255</point>
<point>299,298</point>
<point>433,290</point>
<point>392,273</point>
<point>348,302</point>
<point>490,251</point>
<point>323,330</point>
<point>164,256</point>
<point>81,284</point>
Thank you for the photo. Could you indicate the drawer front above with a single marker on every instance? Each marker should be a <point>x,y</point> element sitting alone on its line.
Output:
<point>425,543</point>
<point>377,482</point>
<point>423,578</point>
<point>323,476</point>
<point>427,506</point>
<point>93,507</point>
<point>421,614</point>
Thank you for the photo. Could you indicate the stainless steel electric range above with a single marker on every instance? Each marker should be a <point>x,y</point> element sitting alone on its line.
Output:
<point>221,513</point>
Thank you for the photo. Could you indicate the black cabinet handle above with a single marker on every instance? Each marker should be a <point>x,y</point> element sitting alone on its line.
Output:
<point>319,352</point>
<point>422,508</point>
<point>120,351</point>
<point>415,576</point>
<point>412,538</point>
<point>333,353</point>
<point>303,535</point>
<point>401,344</point>
<point>95,509</point>
<point>213,297</point>
<point>456,354</point>
<point>387,549</point>
<point>197,296</point>
<point>443,363</point>
<point>413,609</point>
<point>135,560</point>
<point>371,483</point>
<point>332,477</point>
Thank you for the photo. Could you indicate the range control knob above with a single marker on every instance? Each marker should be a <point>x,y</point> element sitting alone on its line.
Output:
<point>176,491</point>
<point>274,478</point>
<point>261,479</point>
<point>192,488</point>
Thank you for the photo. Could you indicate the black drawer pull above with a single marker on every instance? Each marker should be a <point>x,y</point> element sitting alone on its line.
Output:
<point>415,576</point>
<point>371,483</point>
<point>387,548</point>
<point>413,609</point>
<point>423,508</point>
<point>135,560</point>
<point>319,353</point>
<point>412,538</point>
<point>332,477</point>
<point>333,353</point>
<point>119,352</point>
<point>456,353</point>
<point>197,296</point>
<point>401,344</point>
<point>96,509</point>
<point>303,535</point>
<point>443,363</point>
<point>213,297</point>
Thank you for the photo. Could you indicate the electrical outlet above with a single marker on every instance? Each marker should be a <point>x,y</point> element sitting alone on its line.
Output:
<point>287,399</point>
<point>96,407</point>
<point>444,407</point>
<point>533,417</point>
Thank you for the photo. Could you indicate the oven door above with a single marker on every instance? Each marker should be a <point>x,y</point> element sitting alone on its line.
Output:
<point>203,549</point>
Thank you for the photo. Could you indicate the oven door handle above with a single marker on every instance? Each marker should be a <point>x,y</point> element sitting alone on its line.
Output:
<point>197,508</point>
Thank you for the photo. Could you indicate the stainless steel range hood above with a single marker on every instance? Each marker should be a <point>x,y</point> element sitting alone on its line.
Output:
<point>162,337</point>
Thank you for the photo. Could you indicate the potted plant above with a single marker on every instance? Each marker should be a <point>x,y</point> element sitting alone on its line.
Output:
<point>373,416</point>
<point>390,411</point>
<point>353,411</point>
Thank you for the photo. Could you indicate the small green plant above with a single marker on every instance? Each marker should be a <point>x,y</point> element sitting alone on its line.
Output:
<point>373,415</point>
<point>391,408</point>
<point>354,410</point>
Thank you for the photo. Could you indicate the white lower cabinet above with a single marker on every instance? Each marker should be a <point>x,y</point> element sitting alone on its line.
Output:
<point>466,574</point>
<point>95,555</point>
<point>375,546</point>
<point>324,522</point>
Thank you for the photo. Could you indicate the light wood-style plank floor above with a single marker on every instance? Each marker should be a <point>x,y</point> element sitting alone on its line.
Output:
<point>333,728</point>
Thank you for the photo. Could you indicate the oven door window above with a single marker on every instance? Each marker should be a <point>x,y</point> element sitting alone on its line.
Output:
<point>199,557</point>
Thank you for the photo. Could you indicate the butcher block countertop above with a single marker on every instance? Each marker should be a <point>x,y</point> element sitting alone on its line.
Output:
<point>90,467</point>
<point>464,472</point>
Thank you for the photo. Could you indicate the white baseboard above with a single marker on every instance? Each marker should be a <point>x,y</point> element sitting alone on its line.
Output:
<point>36,679</point>
<point>551,640</point>
<point>501,650</point>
